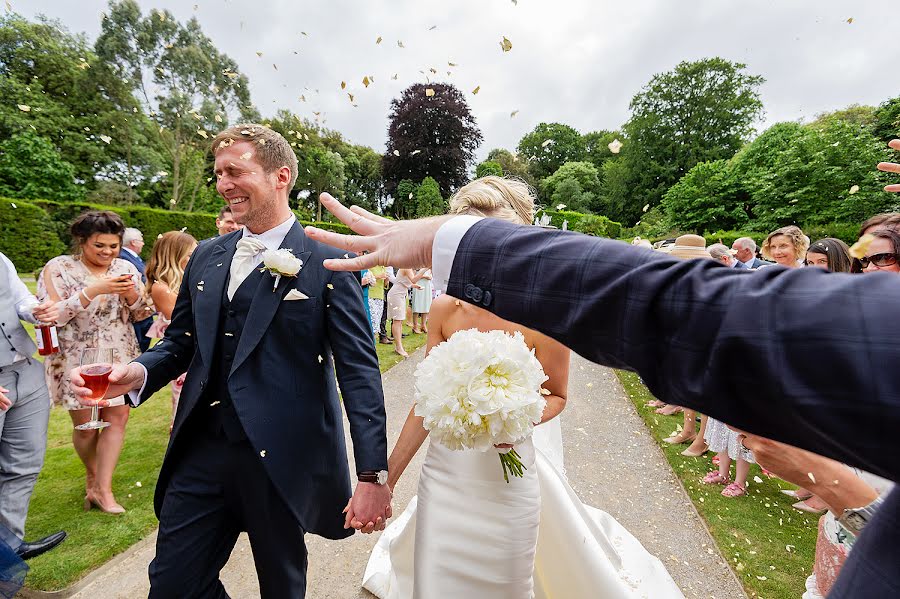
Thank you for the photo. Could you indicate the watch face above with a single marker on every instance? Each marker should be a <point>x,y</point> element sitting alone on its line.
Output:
<point>855,520</point>
<point>382,477</point>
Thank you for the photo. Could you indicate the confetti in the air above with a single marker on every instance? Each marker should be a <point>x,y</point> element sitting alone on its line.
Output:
<point>366,81</point>
<point>24,107</point>
<point>378,41</point>
<point>262,453</point>
<point>394,76</point>
<point>854,189</point>
<point>202,133</point>
<point>105,139</point>
<point>476,90</point>
<point>505,44</point>
<point>546,143</point>
<point>429,92</point>
<point>343,85</point>
<point>513,113</point>
<point>432,28</point>
<point>400,44</point>
<point>414,152</point>
<point>396,152</point>
<point>560,206</point>
<point>615,146</point>
<point>259,54</point>
<point>849,21</point>
<point>351,96</point>
<point>859,249</point>
<point>246,155</point>
<point>645,208</point>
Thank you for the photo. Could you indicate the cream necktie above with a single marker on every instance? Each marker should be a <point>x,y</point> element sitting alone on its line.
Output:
<point>243,262</point>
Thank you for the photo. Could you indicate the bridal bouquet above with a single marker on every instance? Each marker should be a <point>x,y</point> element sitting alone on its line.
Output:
<point>478,389</point>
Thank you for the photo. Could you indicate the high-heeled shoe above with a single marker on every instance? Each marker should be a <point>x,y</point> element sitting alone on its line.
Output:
<point>90,502</point>
<point>803,506</point>
<point>681,437</point>
<point>695,453</point>
<point>797,494</point>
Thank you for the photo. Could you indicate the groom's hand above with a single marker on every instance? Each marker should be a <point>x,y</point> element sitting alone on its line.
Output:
<point>122,379</point>
<point>399,243</point>
<point>369,508</point>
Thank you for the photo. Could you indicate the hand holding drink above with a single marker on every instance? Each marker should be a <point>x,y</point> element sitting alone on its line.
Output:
<point>96,366</point>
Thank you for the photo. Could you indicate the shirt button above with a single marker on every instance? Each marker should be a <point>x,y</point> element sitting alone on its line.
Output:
<point>231,313</point>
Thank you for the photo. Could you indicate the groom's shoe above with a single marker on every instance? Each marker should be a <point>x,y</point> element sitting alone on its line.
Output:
<point>385,340</point>
<point>30,550</point>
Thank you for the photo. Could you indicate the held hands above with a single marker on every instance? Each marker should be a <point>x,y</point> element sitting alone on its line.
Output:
<point>402,244</point>
<point>369,508</point>
<point>46,312</point>
<point>124,378</point>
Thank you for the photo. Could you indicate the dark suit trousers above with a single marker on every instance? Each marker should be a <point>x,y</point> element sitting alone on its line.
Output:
<point>218,489</point>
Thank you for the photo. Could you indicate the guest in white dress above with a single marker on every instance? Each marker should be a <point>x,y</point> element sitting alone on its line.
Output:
<point>470,534</point>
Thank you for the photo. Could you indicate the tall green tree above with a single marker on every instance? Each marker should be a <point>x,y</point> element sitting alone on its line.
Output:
<point>431,133</point>
<point>575,184</point>
<point>488,167</point>
<point>182,82</point>
<point>513,165</point>
<point>428,199</point>
<point>31,168</point>
<point>550,145</point>
<point>887,120</point>
<point>596,146</point>
<point>700,111</point>
<point>708,198</point>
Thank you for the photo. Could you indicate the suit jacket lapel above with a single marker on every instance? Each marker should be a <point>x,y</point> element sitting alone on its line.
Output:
<point>208,302</point>
<point>266,301</point>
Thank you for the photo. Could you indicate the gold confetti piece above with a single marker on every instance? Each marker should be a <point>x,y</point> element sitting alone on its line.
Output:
<point>262,453</point>
<point>24,107</point>
<point>429,92</point>
<point>645,208</point>
<point>218,118</point>
<point>8,7</point>
<point>246,155</point>
<point>351,96</point>
<point>476,90</point>
<point>859,249</point>
<point>811,477</point>
<point>105,139</point>
<point>505,44</point>
<point>202,133</point>
<point>615,146</point>
<point>452,64</point>
<point>400,44</point>
<point>513,113</point>
<point>854,189</point>
<point>330,286</point>
<point>849,21</point>
<point>378,41</point>
<point>366,81</point>
<point>259,54</point>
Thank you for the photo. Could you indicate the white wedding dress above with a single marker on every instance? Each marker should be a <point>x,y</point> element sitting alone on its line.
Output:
<point>470,535</point>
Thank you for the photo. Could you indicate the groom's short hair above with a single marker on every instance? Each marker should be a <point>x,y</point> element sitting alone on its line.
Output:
<point>272,150</point>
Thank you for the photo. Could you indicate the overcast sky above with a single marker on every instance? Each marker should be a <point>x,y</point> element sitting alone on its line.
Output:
<point>577,62</point>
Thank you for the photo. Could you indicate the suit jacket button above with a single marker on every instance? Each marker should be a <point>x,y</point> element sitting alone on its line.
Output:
<point>468,290</point>
<point>486,300</point>
<point>477,294</point>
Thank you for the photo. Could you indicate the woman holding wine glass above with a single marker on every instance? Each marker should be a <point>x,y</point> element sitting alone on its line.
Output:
<point>99,296</point>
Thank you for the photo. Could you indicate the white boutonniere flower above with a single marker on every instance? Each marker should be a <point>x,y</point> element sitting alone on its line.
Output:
<point>281,263</point>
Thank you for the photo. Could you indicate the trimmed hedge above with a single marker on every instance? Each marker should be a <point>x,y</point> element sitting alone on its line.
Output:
<point>36,231</point>
<point>842,231</point>
<point>590,224</point>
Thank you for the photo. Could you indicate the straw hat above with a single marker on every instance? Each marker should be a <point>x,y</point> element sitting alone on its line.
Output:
<point>689,246</point>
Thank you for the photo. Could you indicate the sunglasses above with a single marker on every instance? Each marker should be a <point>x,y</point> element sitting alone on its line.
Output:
<point>879,260</point>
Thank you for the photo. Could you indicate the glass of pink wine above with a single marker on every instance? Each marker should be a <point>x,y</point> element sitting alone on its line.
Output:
<point>96,366</point>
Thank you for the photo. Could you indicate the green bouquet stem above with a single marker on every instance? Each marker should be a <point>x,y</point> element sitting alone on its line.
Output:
<point>512,464</point>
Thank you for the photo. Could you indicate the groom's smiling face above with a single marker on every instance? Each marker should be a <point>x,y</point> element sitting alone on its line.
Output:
<point>244,184</point>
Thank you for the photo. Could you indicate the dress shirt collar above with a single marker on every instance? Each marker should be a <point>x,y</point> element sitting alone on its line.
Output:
<point>130,251</point>
<point>274,237</point>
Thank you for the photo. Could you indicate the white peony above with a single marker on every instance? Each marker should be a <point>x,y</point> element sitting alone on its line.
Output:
<point>282,262</point>
<point>478,389</point>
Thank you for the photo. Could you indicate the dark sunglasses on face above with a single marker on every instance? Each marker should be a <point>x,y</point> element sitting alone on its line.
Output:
<point>879,260</point>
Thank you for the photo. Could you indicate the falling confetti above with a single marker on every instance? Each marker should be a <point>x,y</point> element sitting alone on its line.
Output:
<point>859,249</point>
<point>105,139</point>
<point>330,286</point>
<point>505,44</point>
<point>615,146</point>
<point>351,96</point>
<point>513,113</point>
<point>429,92</point>
<point>343,85</point>
<point>394,76</point>
<point>378,41</point>
<point>432,28</point>
<point>24,107</point>
<point>645,208</point>
<point>452,64</point>
<point>546,143</point>
<point>414,152</point>
<point>400,44</point>
<point>259,54</point>
<point>854,189</point>
<point>849,21</point>
<point>396,152</point>
<point>262,453</point>
<point>366,81</point>
<point>202,133</point>
<point>320,359</point>
<point>560,206</point>
<point>476,90</point>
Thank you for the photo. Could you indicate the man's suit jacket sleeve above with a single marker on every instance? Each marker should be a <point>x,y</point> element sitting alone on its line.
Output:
<point>356,365</point>
<point>172,355</point>
<point>803,356</point>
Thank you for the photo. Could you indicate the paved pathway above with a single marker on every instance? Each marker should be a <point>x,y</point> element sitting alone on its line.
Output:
<point>612,463</point>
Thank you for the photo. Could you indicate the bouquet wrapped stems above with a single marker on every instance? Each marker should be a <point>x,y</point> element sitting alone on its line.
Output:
<point>512,464</point>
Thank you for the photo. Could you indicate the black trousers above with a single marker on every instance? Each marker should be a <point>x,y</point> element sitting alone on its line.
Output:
<point>217,490</point>
<point>383,330</point>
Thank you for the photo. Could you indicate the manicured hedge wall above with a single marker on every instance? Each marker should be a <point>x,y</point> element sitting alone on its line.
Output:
<point>590,224</point>
<point>34,232</point>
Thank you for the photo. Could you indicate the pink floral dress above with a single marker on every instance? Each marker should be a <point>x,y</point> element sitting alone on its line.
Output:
<point>105,322</point>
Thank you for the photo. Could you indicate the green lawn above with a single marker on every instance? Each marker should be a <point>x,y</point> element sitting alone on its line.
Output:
<point>769,545</point>
<point>95,537</point>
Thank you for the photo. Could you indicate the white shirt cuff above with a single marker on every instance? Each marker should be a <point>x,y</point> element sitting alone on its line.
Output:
<point>446,242</point>
<point>134,397</point>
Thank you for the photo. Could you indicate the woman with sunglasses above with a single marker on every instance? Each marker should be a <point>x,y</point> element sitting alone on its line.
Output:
<point>882,253</point>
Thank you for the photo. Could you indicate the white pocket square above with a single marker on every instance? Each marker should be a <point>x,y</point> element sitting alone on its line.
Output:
<point>293,294</point>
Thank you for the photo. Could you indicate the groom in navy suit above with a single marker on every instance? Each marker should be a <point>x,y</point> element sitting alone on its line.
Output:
<point>258,439</point>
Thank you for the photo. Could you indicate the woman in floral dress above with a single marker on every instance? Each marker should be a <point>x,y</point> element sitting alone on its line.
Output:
<point>100,297</point>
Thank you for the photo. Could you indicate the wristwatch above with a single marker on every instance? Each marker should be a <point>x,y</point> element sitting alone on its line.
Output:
<point>371,476</point>
<point>853,520</point>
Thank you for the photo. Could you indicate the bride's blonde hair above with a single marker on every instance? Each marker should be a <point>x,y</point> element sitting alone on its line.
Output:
<point>495,197</point>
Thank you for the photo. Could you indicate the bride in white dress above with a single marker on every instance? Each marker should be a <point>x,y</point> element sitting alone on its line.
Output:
<point>468,533</point>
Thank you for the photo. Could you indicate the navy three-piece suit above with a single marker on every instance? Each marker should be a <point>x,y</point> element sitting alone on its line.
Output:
<point>258,439</point>
<point>819,352</point>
